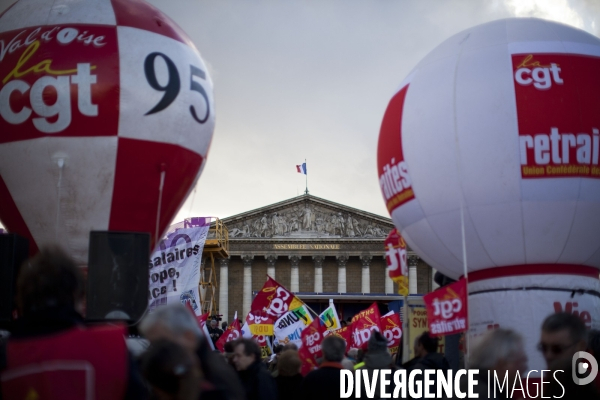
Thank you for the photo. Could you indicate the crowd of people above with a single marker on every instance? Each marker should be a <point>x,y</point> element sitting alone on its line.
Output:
<point>52,354</point>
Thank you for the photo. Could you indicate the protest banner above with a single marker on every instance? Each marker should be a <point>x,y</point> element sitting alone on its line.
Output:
<point>232,332</point>
<point>416,324</point>
<point>312,336</point>
<point>363,324</point>
<point>447,309</point>
<point>329,317</point>
<point>308,363</point>
<point>259,324</point>
<point>395,257</point>
<point>392,331</point>
<point>288,328</point>
<point>274,300</point>
<point>175,269</point>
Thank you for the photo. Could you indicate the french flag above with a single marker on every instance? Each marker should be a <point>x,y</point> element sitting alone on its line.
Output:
<point>301,168</point>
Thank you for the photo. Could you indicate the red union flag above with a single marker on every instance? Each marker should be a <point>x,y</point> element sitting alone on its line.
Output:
<point>447,309</point>
<point>392,331</point>
<point>363,324</point>
<point>308,362</point>
<point>395,257</point>
<point>557,108</point>
<point>274,299</point>
<point>312,336</point>
<point>260,324</point>
<point>232,332</point>
<point>346,334</point>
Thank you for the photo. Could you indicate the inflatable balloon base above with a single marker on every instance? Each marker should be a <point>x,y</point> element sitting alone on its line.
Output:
<point>521,297</point>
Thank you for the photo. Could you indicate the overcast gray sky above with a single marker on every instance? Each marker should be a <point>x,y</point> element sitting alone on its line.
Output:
<point>311,79</point>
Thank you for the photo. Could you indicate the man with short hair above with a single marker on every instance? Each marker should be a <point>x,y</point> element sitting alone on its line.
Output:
<point>214,331</point>
<point>256,380</point>
<point>176,323</point>
<point>324,383</point>
<point>563,335</point>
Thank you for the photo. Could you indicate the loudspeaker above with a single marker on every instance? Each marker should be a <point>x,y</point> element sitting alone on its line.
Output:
<point>117,281</point>
<point>14,251</point>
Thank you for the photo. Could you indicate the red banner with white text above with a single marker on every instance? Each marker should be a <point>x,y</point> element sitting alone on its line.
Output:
<point>447,309</point>
<point>363,324</point>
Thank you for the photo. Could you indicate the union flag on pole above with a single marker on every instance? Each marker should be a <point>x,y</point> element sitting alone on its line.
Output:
<point>312,336</point>
<point>447,309</point>
<point>363,324</point>
<point>274,300</point>
<point>232,332</point>
<point>395,256</point>
<point>392,331</point>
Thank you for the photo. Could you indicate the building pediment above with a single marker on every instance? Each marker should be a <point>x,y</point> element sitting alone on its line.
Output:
<point>307,217</point>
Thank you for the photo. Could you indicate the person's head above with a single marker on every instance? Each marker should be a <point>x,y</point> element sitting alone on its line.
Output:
<point>376,343</point>
<point>333,348</point>
<point>343,323</point>
<point>425,344</point>
<point>51,279</point>
<point>245,353</point>
<point>277,349</point>
<point>173,322</point>
<point>563,334</point>
<point>289,363</point>
<point>213,323</point>
<point>290,346</point>
<point>224,325</point>
<point>170,370</point>
<point>500,350</point>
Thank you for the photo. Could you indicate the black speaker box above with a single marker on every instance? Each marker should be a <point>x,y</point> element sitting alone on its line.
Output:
<point>117,281</point>
<point>14,251</point>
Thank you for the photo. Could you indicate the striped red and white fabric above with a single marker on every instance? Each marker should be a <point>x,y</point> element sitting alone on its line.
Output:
<point>106,118</point>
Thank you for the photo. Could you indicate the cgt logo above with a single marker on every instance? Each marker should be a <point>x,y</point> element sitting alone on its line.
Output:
<point>446,308</point>
<point>541,76</point>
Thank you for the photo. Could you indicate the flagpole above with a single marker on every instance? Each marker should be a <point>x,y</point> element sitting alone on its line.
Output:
<point>306,176</point>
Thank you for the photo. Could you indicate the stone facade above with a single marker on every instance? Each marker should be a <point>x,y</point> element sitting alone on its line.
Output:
<point>323,239</point>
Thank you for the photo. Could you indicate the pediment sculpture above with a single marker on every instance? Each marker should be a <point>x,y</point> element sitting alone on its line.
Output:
<point>307,220</point>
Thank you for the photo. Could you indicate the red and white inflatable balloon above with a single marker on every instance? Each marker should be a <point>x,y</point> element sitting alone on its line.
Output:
<point>502,121</point>
<point>106,117</point>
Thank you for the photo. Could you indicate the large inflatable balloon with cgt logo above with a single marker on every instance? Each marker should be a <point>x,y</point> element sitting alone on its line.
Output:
<point>497,130</point>
<point>106,117</point>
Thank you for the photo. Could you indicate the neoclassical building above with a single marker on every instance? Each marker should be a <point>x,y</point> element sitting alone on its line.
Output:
<point>316,248</point>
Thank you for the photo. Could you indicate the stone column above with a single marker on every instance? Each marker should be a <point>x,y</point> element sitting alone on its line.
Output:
<point>224,288</point>
<point>318,260</point>
<point>341,261</point>
<point>413,261</point>
<point>366,273</point>
<point>247,293</point>
<point>295,280</point>
<point>271,260</point>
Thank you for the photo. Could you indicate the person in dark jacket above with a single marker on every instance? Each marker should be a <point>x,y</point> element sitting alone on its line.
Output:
<point>324,383</point>
<point>214,331</point>
<point>427,355</point>
<point>175,322</point>
<point>51,330</point>
<point>256,380</point>
<point>289,378</point>
<point>377,357</point>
